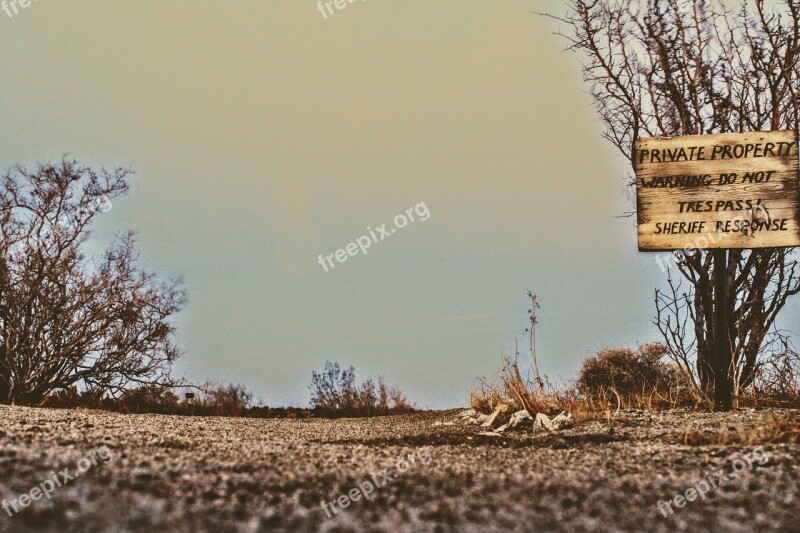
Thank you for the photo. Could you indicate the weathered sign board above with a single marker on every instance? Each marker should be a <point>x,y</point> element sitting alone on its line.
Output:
<point>731,190</point>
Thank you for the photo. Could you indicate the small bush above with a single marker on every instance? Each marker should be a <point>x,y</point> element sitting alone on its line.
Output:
<point>630,373</point>
<point>218,400</point>
<point>334,392</point>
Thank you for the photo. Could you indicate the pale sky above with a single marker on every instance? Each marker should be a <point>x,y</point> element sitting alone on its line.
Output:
<point>263,135</point>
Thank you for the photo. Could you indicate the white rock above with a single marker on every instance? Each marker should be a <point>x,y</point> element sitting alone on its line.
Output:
<point>501,428</point>
<point>469,413</point>
<point>501,408</point>
<point>543,421</point>
<point>560,421</point>
<point>521,419</point>
<point>563,420</point>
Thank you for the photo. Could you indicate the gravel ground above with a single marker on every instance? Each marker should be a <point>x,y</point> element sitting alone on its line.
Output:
<point>166,473</point>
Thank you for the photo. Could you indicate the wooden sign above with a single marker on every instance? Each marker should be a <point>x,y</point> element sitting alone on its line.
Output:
<point>731,190</point>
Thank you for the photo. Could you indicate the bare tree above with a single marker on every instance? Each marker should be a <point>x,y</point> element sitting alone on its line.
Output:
<point>69,318</point>
<point>666,68</point>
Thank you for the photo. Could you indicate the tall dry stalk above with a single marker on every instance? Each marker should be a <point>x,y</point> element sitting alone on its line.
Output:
<point>534,318</point>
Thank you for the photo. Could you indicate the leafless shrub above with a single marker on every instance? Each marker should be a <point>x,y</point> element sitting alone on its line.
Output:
<point>102,324</point>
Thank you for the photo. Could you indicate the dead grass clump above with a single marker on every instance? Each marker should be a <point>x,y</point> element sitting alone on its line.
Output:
<point>485,396</point>
<point>585,402</point>
<point>614,379</point>
<point>510,388</point>
<point>773,430</point>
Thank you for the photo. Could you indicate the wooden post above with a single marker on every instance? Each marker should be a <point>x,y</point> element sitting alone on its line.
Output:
<point>723,400</point>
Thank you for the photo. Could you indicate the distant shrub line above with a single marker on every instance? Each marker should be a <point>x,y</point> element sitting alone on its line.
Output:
<point>335,394</point>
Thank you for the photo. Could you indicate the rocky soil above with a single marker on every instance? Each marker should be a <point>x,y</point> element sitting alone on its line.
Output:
<point>166,473</point>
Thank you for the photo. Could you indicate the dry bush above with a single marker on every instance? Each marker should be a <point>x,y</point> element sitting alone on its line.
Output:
<point>70,314</point>
<point>611,380</point>
<point>640,378</point>
<point>220,400</point>
<point>335,393</point>
<point>511,389</point>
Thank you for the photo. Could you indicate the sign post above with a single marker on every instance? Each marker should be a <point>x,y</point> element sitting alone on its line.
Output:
<point>723,397</point>
<point>718,192</point>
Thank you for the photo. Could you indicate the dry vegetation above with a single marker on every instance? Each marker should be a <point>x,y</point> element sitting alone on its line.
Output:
<point>336,393</point>
<point>774,430</point>
<point>519,393</point>
<point>611,380</point>
<point>620,378</point>
<point>645,378</point>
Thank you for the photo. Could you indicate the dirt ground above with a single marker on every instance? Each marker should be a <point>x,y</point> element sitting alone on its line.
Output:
<point>420,472</point>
